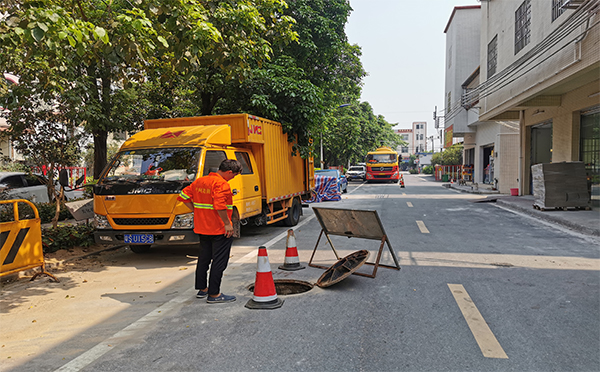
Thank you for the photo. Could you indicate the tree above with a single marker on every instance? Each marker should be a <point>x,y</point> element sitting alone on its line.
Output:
<point>93,51</point>
<point>307,79</point>
<point>355,130</point>
<point>46,135</point>
<point>453,155</point>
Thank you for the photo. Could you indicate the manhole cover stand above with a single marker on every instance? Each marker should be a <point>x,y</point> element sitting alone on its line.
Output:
<point>353,223</point>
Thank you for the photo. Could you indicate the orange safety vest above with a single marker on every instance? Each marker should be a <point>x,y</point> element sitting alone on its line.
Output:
<point>209,194</point>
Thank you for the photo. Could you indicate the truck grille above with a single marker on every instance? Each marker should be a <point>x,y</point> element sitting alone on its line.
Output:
<point>382,169</point>
<point>140,221</point>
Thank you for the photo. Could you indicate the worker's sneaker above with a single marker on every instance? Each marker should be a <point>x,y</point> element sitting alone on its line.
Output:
<point>222,298</point>
<point>202,294</point>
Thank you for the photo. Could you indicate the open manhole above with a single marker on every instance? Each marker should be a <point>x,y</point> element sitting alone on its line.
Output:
<point>285,287</point>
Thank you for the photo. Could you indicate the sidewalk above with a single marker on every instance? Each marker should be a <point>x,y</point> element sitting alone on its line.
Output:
<point>582,221</point>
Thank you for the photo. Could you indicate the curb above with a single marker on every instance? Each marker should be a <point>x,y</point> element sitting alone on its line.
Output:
<point>480,191</point>
<point>549,218</point>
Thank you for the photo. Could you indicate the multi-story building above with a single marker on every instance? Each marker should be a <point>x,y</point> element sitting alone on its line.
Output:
<point>540,68</point>
<point>481,139</point>
<point>533,96</point>
<point>419,129</point>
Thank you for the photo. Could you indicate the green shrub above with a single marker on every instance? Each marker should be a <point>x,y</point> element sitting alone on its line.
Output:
<point>413,171</point>
<point>45,210</point>
<point>428,169</point>
<point>66,237</point>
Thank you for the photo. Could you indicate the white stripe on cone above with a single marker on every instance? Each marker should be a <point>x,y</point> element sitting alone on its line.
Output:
<point>291,252</point>
<point>264,286</point>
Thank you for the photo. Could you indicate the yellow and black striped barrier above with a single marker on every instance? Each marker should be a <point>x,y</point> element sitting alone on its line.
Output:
<point>21,242</point>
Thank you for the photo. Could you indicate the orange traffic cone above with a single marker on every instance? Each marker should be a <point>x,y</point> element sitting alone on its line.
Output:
<point>401,181</point>
<point>265,295</point>
<point>292,261</point>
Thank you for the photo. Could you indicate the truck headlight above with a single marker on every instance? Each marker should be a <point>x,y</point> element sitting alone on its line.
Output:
<point>183,221</point>
<point>101,222</point>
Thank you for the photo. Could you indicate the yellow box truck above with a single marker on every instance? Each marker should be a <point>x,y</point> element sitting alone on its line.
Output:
<point>135,199</point>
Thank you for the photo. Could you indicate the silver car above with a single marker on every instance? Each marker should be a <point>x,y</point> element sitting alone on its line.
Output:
<point>20,185</point>
<point>356,172</point>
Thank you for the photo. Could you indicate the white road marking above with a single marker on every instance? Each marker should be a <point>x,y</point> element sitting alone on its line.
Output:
<point>422,227</point>
<point>489,345</point>
<point>105,346</point>
<point>410,205</point>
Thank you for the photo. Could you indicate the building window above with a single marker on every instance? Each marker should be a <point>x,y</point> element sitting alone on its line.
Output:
<point>404,149</point>
<point>449,103</point>
<point>556,9</point>
<point>522,25</point>
<point>450,57</point>
<point>492,57</point>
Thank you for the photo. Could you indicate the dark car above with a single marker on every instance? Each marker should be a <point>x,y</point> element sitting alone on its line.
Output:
<point>356,172</point>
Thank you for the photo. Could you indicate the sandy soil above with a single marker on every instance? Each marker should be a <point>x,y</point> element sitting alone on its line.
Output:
<point>61,261</point>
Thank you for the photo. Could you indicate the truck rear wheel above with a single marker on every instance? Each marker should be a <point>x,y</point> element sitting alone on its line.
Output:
<point>140,248</point>
<point>294,213</point>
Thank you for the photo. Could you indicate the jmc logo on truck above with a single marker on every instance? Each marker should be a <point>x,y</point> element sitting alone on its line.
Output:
<point>135,199</point>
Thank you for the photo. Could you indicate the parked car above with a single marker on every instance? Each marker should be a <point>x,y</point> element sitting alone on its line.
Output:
<point>341,179</point>
<point>357,172</point>
<point>20,185</point>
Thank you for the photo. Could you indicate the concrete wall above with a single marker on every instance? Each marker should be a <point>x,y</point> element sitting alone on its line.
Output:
<point>543,67</point>
<point>462,59</point>
<point>565,126</point>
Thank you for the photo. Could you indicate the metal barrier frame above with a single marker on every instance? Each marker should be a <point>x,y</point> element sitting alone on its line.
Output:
<point>356,233</point>
<point>16,232</point>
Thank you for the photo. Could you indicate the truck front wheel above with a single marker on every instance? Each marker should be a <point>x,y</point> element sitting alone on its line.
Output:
<point>140,248</point>
<point>294,213</point>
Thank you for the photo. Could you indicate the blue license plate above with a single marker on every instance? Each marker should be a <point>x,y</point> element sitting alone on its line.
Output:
<point>139,238</point>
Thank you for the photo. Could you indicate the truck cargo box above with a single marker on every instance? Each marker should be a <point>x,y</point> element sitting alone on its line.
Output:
<point>284,175</point>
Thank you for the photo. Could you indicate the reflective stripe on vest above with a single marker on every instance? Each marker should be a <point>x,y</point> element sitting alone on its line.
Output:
<point>208,206</point>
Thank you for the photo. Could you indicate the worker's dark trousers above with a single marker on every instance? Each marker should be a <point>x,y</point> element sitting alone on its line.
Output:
<point>213,248</point>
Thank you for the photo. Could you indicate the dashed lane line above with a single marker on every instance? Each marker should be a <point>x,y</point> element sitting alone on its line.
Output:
<point>410,205</point>
<point>489,345</point>
<point>422,227</point>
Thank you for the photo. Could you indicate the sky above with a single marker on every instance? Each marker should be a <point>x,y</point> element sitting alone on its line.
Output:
<point>403,52</point>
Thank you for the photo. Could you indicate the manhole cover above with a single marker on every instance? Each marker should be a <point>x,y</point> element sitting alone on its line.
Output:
<point>288,286</point>
<point>343,268</point>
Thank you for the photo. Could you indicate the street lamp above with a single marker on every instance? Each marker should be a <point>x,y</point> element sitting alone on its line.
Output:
<point>322,162</point>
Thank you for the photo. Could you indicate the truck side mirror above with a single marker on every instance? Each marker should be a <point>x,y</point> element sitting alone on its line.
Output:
<point>63,178</point>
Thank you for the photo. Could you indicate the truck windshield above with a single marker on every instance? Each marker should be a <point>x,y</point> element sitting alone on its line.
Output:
<point>381,158</point>
<point>155,171</point>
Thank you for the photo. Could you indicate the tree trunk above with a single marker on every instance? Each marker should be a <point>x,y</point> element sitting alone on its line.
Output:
<point>100,148</point>
<point>207,103</point>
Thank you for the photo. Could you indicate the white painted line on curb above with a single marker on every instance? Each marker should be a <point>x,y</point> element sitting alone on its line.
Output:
<point>489,345</point>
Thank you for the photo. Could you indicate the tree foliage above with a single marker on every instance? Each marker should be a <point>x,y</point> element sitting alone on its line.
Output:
<point>353,131</point>
<point>93,51</point>
<point>453,155</point>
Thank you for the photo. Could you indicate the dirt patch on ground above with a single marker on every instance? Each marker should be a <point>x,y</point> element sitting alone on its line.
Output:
<point>63,260</point>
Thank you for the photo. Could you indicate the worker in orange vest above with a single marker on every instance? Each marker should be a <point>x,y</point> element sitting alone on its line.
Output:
<point>211,199</point>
